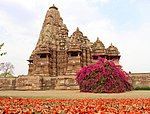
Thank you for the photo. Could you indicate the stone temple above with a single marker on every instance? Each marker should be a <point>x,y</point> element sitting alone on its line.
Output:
<point>58,55</point>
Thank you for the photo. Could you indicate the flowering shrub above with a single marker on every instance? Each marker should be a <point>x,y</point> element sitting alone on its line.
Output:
<point>74,106</point>
<point>103,77</point>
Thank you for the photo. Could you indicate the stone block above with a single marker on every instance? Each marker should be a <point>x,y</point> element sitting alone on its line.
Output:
<point>48,83</point>
<point>28,83</point>
<point>67,83</point>
<point>7,83</point>
<point>140,79</point>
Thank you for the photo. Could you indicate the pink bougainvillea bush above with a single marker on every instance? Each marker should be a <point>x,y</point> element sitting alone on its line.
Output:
<point>103,77</point>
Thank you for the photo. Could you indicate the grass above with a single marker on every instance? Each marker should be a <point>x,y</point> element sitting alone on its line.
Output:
<point>142,88</point>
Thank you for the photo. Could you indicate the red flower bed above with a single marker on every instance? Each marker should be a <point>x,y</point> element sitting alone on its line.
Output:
<point>74,106</point>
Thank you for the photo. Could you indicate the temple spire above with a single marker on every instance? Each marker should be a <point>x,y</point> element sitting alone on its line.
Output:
<point>54,7</point>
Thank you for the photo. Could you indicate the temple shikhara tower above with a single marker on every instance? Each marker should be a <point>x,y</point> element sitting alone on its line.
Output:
<point>57,54</point>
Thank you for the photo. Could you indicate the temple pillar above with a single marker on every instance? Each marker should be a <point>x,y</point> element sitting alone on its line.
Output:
<point>83,57</point>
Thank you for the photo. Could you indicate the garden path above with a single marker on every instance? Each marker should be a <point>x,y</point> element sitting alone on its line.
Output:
<point>74,94</point>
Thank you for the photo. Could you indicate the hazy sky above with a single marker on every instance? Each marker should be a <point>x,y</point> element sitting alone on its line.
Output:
<point>124,23</point>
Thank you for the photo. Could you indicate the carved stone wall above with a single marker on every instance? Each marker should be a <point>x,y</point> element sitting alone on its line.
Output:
<point>60,82</point>
<point>140,79</point>
<point>48,83</point>
<point>66,83</point>
<point>28,83</point>
<point>7,83</point>
<point>37,83</point>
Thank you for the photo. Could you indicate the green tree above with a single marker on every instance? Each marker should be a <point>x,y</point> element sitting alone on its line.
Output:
<point>1,45</point>
<point>6,69</point>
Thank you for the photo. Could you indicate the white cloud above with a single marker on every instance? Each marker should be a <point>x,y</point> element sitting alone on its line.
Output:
<point>104,1</point>
<point>28,4</point>
<point>135,53</point>
<point>132,1</point>
<point>99,2</point>
<point>99,28</point>
<point>18,41</point>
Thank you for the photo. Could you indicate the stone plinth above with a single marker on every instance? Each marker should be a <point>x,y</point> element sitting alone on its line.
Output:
<point>7,83</point>
<point>48,83</point>
<point>60,82</point>
<point>140,79</point>
<point>28,83</point>
<point>66,83</point>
